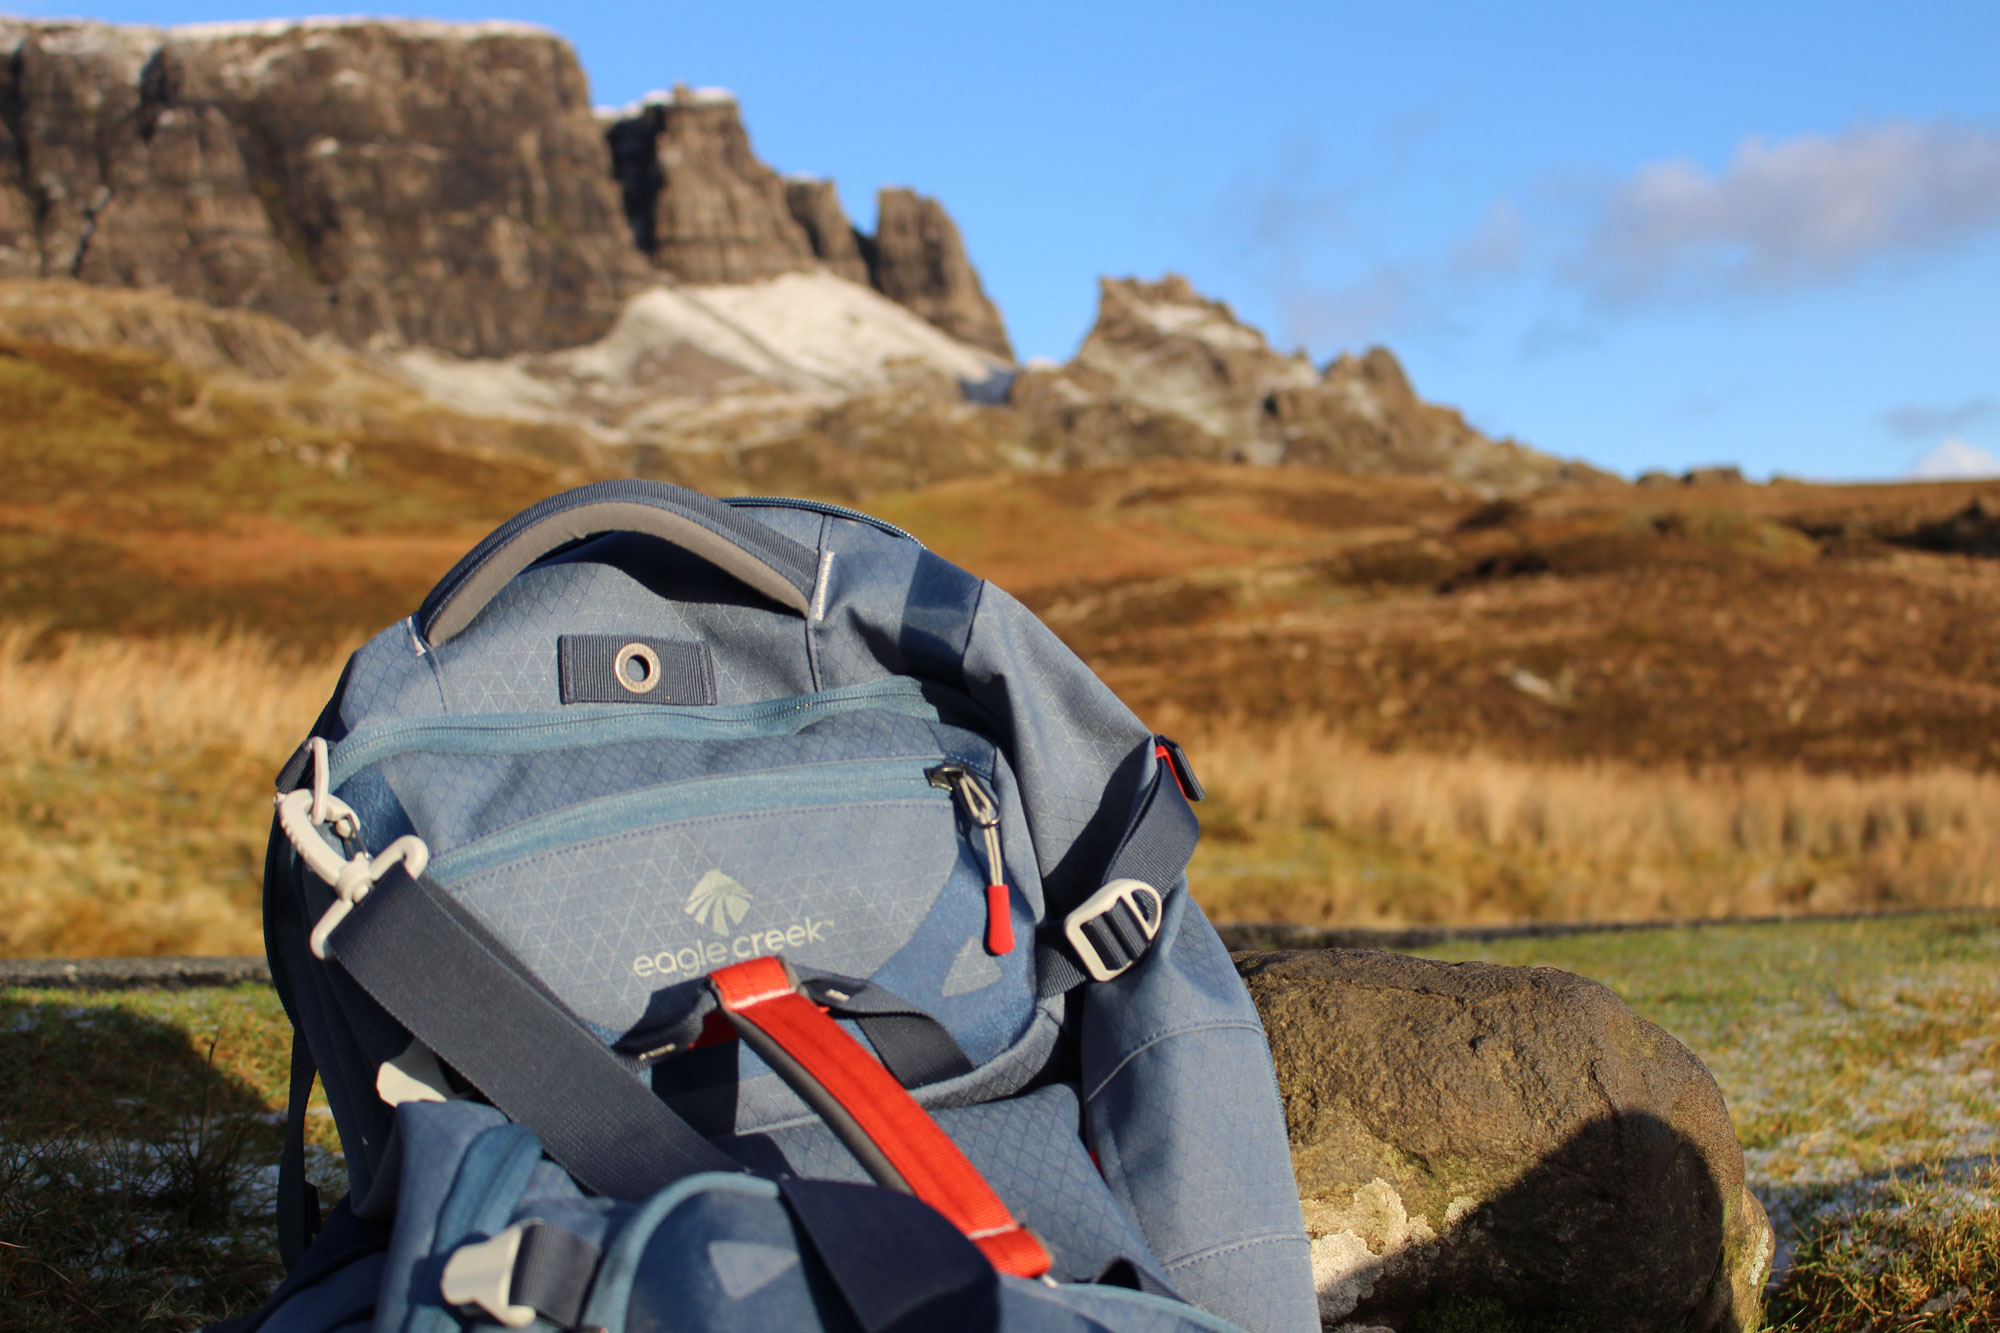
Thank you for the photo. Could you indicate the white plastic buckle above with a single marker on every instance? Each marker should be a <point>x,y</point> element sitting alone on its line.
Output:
<point>413,1076</point>
<point>1118,893</point>
<point>482,1273</point>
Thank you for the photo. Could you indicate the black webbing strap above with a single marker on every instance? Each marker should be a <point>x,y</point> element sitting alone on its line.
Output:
<point>297,1203</point>
<point>1155,850</point>
<point>911,1044</point>
<point>553,1271</point>
<point>406,946</point>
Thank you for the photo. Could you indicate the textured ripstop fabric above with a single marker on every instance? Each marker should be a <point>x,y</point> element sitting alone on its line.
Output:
<point>1182,1106</point>
<point>710,1253</point>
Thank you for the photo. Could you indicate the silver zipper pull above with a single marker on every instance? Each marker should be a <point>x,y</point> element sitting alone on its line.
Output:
<point>984,811</point>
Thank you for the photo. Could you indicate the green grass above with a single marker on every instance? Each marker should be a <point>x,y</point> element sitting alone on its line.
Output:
<point>138,1129</point>
<point>139,1133</point>
<point>1859,1060</point>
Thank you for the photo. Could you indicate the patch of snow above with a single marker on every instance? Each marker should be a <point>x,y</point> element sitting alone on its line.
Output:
<point>1955,460</point>
<point>1200,323</point>
<point>431,28</point>
<point>655,97</point>
<point>809,334</point>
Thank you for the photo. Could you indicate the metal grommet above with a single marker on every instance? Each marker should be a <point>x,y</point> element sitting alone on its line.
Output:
<point>636,657</point>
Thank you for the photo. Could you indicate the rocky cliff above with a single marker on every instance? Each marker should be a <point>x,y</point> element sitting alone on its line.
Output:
<point>403,183</point>
<point>1166,372</point>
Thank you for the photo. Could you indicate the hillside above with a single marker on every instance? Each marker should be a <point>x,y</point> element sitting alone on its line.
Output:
<point>172,467</point>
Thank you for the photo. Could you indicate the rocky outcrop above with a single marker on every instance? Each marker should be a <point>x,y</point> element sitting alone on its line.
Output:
<point>917,258</point>
<point>1166,372</point>
<point>815,206</point>
<point>403,182</point>
<point>1504,1147</point>
<point>716,213</point>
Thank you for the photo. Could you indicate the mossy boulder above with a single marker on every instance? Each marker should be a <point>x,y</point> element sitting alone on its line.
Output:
<point>1508,1146</point>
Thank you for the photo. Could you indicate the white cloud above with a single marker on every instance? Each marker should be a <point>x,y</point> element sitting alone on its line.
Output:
<point>1954,460</point>
<point>1794,211</point>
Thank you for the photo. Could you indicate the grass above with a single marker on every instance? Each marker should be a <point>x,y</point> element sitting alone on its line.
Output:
<point>134,804</point>
<point>1858,1060</point>
<point>1861,1065</point>
<point>138,1139</point>
<point>1306,825</point>
<point>134,787</point>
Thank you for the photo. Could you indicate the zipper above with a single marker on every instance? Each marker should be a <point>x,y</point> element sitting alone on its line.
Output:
<point>984,812</point>
<point>816,507</point>
<point>527,733</point>
<point>848,782</point>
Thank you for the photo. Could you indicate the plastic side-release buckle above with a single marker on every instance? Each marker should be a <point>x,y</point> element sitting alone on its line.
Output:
<point>532,1269</point>
<point>1115,926</point>
<point>482,1274</point>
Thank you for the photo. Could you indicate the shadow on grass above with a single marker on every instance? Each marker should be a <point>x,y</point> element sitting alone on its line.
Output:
<point>1621,1229</point>
<point>131,1190</point>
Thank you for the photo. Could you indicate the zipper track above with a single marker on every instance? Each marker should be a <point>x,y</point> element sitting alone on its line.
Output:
<point>848,782</point>
<point>816,507</point>
<point>527,733</point>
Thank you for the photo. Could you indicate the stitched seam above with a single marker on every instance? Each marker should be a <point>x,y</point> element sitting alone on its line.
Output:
<point>1232,1025</point>
<point>1270,1238</point>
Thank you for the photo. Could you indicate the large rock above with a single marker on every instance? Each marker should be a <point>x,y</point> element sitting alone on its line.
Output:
<point>1166,372</point>
<point>715,213</point>
<point>1504,1148</point>
<point>408,183</point>
<point>815,204</point>
<point>916,257</point>
<point>414,183</point>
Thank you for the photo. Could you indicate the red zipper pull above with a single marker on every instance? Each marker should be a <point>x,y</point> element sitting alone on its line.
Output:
<point>981,808</point>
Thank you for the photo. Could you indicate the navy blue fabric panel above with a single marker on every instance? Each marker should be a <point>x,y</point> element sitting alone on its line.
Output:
<point>937,619</point>
<point>899,1265</point>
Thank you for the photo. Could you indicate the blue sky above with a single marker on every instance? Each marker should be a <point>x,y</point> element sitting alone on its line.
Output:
<point>1757,233</point>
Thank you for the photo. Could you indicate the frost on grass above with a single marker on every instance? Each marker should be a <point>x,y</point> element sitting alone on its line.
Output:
<point>141,1233</point>
<point>1860,1062</point>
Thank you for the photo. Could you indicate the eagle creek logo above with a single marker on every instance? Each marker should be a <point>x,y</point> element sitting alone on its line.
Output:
<point>720,903</point>
<point>718,900</point>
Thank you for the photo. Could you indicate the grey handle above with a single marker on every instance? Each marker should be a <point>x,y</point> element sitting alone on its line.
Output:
<point>772,564</point>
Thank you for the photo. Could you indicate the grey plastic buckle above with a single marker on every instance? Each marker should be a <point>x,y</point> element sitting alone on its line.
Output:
<point>482,1274</point>
<point>1115,926</point>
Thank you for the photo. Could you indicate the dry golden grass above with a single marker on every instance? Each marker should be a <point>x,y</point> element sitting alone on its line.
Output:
<point>134,788</point>
<point>1306,825</point>
<point>77,697</point>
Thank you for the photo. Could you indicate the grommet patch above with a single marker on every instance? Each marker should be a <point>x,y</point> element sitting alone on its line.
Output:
<point>636,668</point>
<point>633,669</point>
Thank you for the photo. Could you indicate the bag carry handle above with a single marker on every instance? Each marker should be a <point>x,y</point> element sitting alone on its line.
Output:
<point>773,564</point>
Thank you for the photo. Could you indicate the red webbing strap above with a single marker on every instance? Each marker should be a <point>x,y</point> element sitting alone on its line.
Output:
<point>762,998</point>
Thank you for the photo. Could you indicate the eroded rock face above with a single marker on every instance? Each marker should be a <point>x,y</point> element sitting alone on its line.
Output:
<point>717,213</point>
<point>1506,1145</point>
<point>815,205</point>
<point>1166,372</point>
<point>916,257</point>
<point>405,182</point>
